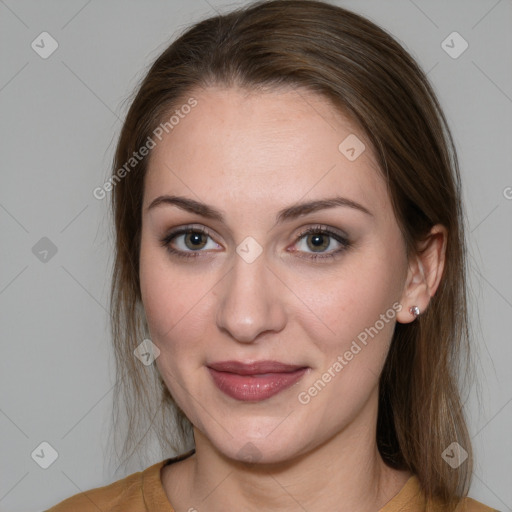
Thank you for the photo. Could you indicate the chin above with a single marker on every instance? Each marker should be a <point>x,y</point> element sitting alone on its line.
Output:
<point>259,445</point>
<point>259,452</point>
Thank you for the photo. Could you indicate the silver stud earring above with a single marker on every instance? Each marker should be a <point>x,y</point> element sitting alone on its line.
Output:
<point>415,311</point>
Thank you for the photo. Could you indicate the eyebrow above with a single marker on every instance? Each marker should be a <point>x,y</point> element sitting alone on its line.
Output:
<point>288,213</point>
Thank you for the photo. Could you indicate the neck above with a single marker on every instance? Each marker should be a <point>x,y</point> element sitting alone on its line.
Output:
<point>345,473</point>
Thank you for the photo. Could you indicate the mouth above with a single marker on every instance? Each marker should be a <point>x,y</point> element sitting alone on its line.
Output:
<point>255,381</point>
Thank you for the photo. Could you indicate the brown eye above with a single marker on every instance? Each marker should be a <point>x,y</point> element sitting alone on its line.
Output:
<point>317,240</point>
<point>188,242</point>
<point>195,240</point>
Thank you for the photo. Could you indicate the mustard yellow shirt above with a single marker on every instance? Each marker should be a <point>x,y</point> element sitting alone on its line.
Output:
<point>143,492</point>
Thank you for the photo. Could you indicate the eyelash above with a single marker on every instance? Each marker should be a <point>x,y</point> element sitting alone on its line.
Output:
<point>314,230</point>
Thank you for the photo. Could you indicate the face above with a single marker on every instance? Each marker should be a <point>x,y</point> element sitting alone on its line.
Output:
<point>273,319</point>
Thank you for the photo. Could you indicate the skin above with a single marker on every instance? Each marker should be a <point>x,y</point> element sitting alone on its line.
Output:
<point>251,154</point>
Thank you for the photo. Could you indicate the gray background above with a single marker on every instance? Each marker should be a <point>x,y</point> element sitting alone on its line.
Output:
<point>60,117</point>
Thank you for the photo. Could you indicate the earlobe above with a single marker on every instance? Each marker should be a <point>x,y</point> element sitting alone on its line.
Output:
<point>424,274</point>
<point>415,311</point>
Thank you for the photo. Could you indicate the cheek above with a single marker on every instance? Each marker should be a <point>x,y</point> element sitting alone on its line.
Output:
<point>165,293</point>
<point>158,302</point>
<point>353,311</point>
<point>177,306</point>
<point>351,300</point>
<point>358,312</point>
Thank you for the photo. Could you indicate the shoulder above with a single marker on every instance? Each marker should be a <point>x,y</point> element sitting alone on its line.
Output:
<point>411,498</point>
<point>125,495</point>
<point>471,505</point>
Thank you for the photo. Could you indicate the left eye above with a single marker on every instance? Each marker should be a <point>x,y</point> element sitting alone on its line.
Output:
<point>319,240</point>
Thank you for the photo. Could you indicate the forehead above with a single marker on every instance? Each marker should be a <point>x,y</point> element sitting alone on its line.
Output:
<point>248,147</point>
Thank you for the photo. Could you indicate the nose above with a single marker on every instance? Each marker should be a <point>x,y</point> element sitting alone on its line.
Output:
<point>251,301</point>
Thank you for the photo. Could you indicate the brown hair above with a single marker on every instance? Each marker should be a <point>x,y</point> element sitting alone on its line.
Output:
<point>369,76</point>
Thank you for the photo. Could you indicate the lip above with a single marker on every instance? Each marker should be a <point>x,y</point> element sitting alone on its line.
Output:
<point>254,381</point>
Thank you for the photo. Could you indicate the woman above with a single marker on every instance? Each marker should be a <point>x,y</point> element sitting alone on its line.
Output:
<point>290,249</point>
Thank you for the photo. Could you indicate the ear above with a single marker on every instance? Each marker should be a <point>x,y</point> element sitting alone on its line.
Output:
<point>424,273</point>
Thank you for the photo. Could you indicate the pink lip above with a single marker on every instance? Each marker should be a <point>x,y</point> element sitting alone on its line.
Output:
<point>254,381</point>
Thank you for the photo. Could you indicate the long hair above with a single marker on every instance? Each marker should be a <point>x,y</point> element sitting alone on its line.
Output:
<point>370,77</point>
